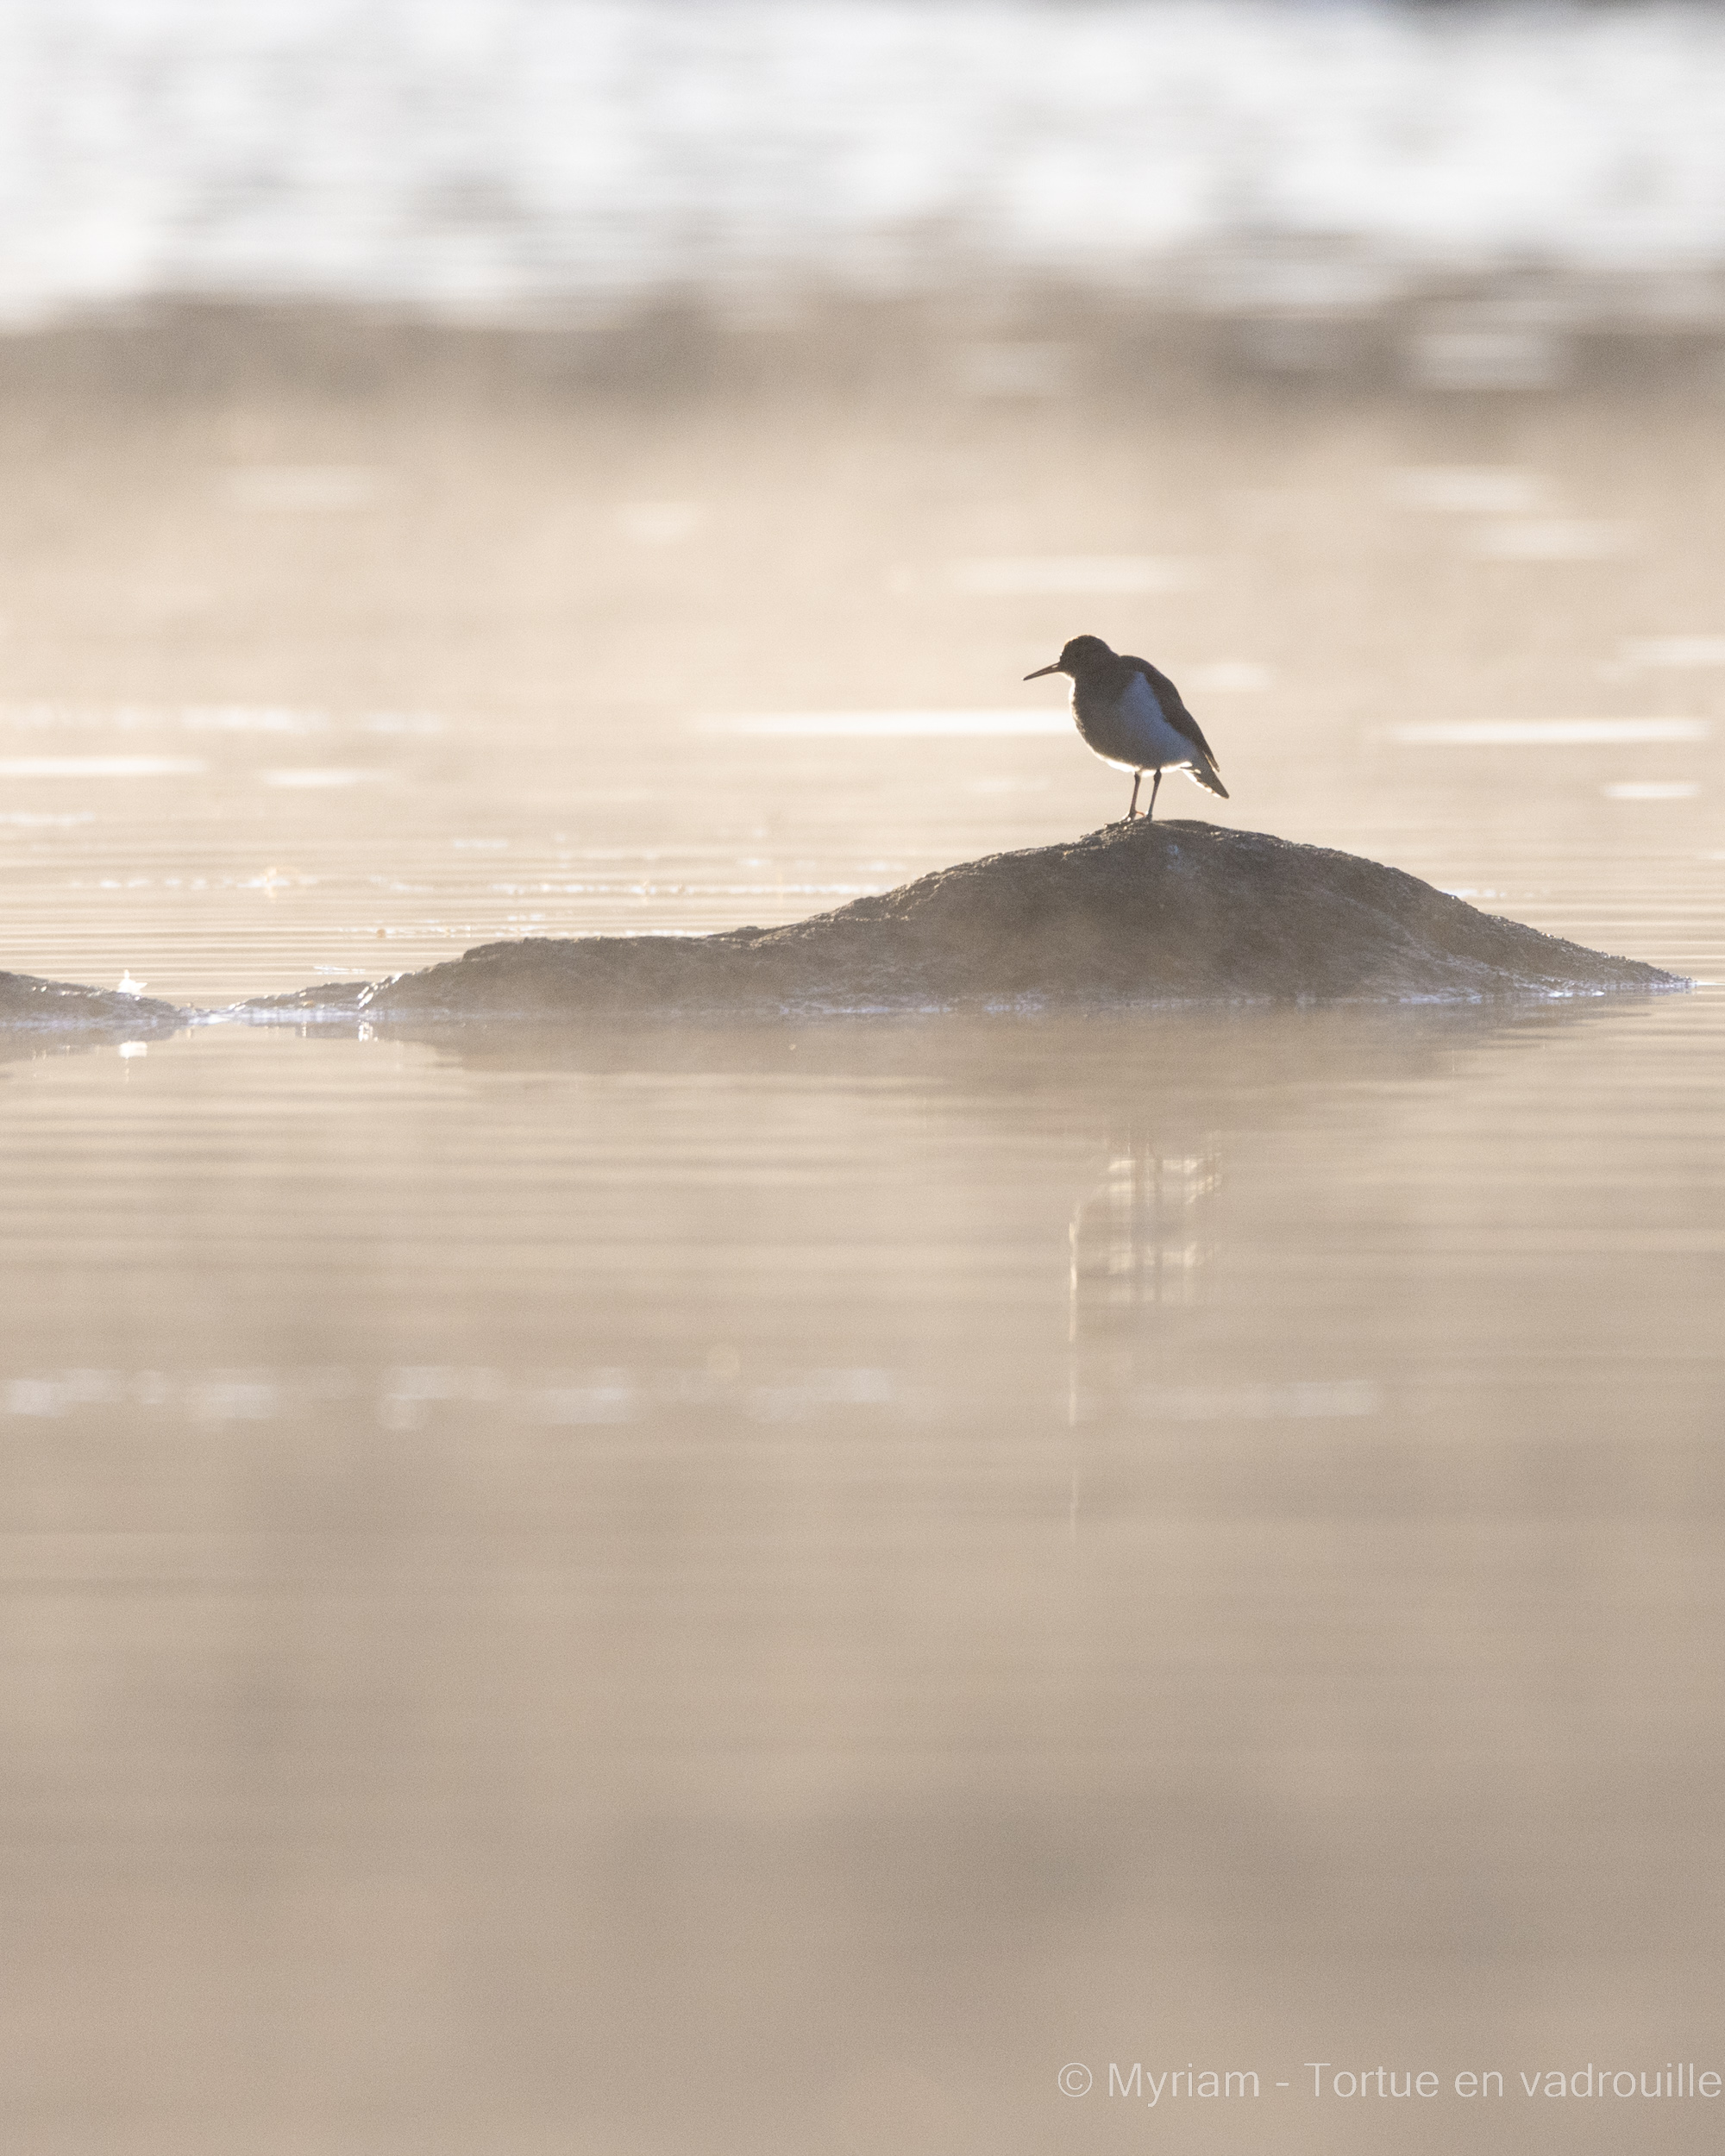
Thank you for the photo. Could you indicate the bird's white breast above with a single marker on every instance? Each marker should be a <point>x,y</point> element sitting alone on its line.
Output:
<point>1155,743</point>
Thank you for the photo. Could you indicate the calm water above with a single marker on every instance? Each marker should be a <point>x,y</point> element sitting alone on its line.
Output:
<point>769,1589</point>
<point>869,1563</point>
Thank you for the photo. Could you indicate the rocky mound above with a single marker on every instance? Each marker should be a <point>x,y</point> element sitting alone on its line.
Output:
<point>24,1001</point>
<point>1134,913</point>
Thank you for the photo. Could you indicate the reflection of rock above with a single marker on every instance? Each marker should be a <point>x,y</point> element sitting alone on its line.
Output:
<point>1134,912</point>
<point>25,1000</point>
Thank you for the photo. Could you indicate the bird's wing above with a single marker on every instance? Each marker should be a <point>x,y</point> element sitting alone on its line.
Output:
<point>1174,708</point>
<point>1174,711</point>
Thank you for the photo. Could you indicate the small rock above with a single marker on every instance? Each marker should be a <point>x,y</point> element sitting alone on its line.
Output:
<point>24,1001</point>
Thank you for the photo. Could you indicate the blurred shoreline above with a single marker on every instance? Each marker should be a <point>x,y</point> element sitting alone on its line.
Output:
<point>1029,342</point>
<point>490,157</point>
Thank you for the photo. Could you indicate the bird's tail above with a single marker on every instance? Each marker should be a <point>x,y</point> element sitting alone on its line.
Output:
<point>1206,776</point>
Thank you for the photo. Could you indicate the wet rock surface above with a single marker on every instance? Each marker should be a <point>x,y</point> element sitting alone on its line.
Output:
<point>27,1001</point>
<point>1181,910</point>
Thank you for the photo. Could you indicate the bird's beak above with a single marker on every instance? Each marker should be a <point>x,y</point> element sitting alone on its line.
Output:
<point>1040,671</point>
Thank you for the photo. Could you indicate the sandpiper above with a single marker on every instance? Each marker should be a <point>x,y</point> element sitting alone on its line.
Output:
<point>1132,717</point>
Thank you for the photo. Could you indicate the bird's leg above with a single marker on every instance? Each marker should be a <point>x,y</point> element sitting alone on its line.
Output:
<point>1155,788</point>
<point>1137,781</point>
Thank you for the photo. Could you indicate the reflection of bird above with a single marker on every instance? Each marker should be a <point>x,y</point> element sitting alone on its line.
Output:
<point>1133,718</point>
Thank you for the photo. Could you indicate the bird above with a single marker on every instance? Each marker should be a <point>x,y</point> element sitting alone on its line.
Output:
<point>1132,717</point>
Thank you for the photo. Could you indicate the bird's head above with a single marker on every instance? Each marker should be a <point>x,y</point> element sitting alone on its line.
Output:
<point>1083,655</point>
